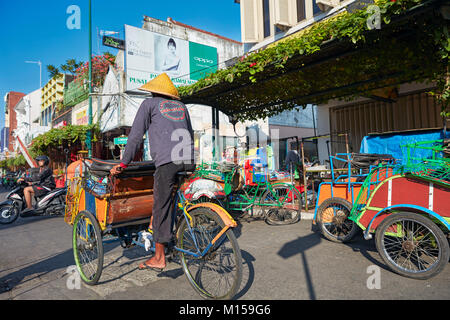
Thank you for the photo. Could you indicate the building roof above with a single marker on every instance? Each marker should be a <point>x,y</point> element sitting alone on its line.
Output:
<point>180,24</point>
<point>200,30</point>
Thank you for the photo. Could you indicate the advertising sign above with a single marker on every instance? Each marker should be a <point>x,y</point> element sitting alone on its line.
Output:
<point>81,117</point>
<point>148,54</point>
<point>60,124</point>
<point>120,140</point>
<point>113,42</point>
<point>202,60</point>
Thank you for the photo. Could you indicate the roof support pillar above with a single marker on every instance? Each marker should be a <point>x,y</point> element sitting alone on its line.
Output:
<point>215,134</point>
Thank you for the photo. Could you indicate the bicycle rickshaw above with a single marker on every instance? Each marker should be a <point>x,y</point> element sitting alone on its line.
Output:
<point>119,207</point>
<point>409,211</point>
<point>246,189</point>
<point>336,197</point>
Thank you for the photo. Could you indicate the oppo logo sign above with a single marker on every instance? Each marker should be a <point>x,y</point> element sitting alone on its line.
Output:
<point>203,60</point>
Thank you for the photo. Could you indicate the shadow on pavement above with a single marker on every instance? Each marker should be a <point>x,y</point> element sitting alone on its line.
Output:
<point>248,273</point>
<point>23,221</point>
<point>299,246</point>
<point>302,244</point>
<point>365,247</point>
<point>38,268</point>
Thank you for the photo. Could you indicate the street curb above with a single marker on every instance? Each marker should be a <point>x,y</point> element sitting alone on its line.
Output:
<point>307,216</point>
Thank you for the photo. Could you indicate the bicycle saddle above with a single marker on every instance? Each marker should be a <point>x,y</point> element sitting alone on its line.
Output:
<point>364,160</point>
<point>188,170</point>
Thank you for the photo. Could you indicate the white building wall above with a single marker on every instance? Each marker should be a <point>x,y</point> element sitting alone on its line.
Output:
<point>323,114</point>
<point>323,128</point>
<point>28,111</point>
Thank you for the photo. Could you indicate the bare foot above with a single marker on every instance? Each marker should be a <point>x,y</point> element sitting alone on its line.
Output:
<point>153,264</point>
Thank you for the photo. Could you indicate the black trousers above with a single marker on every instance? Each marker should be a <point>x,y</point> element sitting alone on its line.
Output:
<point>39,191</point>
<point>165,179</point>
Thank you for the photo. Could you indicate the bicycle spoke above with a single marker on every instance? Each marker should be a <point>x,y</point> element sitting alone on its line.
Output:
<point>415,250</point>
<point>215,273</point>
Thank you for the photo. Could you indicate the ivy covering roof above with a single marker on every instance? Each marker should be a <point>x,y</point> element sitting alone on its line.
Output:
<point>339,57</point>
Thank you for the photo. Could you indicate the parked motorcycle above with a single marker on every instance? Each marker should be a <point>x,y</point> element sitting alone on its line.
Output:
<point>9,180</point>
<point>50,204</point>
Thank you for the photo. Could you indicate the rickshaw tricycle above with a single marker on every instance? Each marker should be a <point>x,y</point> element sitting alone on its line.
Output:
<point>336,197</point>
<point>101,206</point>
<point>409,211</point>
<point>247,189</point>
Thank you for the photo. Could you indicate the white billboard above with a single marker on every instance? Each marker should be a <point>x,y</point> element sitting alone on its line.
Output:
<point>148,54</point>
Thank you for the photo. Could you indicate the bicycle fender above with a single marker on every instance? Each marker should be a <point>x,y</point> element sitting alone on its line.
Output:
<point>223,214</point>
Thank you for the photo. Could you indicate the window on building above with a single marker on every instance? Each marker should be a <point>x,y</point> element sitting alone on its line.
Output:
<point>316,9</point>
<point>278,30</point>
<point>301,15</point>
<point>46,117</point>
<point>266,16</point>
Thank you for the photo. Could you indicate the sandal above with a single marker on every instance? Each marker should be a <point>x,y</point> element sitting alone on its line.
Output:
<point>144,266</point>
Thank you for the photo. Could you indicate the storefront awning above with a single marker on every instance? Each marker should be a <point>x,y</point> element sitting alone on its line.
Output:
<point>406,48</point>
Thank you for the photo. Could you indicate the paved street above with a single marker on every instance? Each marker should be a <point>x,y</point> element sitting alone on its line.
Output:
<point>285,262</point>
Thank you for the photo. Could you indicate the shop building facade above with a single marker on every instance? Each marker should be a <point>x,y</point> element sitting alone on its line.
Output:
<point>400,107</point>
<point>200,52</point>
<point>11,100</point>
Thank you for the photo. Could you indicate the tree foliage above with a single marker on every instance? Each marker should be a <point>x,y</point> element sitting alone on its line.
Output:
<point>64,136</point>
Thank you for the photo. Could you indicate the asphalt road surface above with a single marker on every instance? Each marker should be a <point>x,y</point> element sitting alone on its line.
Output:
<point>280,262</point>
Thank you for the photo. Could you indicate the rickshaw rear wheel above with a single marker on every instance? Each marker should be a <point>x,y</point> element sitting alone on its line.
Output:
<point>332,218</point>
<point>412,245</point>
<point>87,247</point>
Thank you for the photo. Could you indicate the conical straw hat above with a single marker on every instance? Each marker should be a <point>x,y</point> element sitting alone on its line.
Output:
<point>162,85</point>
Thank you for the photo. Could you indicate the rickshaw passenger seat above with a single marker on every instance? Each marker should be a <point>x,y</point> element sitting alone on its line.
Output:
<point>102,167</point>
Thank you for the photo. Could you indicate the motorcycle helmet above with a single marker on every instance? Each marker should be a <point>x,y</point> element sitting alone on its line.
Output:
<point>43,158</point>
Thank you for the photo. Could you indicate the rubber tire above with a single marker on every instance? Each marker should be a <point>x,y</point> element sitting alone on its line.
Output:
<point>231,237</point>
<point>320,211</point>
<point>273,222</point>
<point>98,235</point>
<point>62,200</point>
<point>16,214</point>
<point>440,237</point>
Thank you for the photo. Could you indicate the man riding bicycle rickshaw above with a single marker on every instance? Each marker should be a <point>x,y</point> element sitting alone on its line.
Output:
<point>172,148</point>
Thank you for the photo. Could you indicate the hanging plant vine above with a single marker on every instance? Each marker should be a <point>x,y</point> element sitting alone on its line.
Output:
<point>418,61</point>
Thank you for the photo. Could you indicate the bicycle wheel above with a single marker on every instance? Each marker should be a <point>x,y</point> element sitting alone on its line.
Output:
<point>412,245</point>
<point>332,218</point>
<point>287,210</point>
<point>88,247</point>
<point>218,274</point>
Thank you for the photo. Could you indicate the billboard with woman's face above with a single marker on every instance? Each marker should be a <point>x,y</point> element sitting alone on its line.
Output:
<point>171,55</point>
<point>148,54</point>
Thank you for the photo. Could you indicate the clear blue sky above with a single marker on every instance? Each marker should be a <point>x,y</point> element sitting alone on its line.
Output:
<point>36,30</point>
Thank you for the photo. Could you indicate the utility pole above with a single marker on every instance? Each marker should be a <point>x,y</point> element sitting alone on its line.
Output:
<point>40,71</point>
